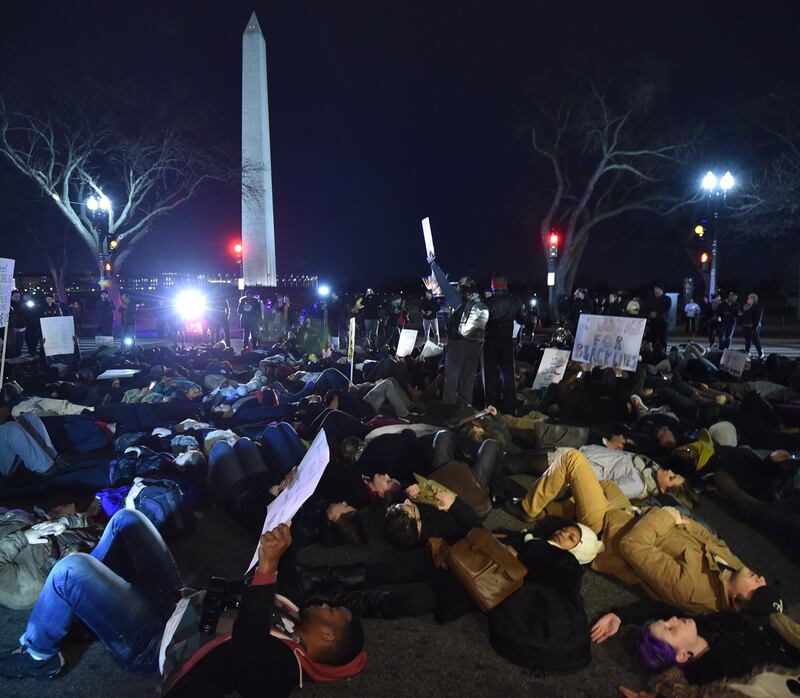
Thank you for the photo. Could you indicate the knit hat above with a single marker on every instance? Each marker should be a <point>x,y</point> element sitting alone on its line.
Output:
<point>589,547</point>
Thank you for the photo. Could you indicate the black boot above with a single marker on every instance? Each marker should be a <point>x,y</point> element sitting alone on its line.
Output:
<point>364,604</point>
<point>331,577</point>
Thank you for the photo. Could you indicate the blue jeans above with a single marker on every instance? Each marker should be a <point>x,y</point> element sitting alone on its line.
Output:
<point>124,592</point>
<point>16,443</point>
<point>332,379</point>
<point>307,389</point>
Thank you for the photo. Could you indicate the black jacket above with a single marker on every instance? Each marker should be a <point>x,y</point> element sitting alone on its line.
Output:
<point>504,309</point>
<point>371,309</point>
<point>428,308</point>
<point>737,643</point>
<point>751,316</point>
<point>451,525</point>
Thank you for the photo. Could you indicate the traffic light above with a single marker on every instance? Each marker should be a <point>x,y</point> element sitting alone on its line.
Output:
<point>237,248</point>
<point>701,227</point>
<point>113,245</point>
<point>705,258</point>
<point>553,240</point>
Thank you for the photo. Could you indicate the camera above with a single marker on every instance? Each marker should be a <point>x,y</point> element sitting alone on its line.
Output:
<point>221,595</point>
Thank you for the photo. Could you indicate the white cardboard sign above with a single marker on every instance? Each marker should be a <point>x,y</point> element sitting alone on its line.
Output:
<point>6,286</point>
<point>605,340</point>
<point>517,328</point>
<point>58,333</point>
<point>551,369</point>
<point>407,342</point>
<point>732,362</point>
<point>428,237</point>
<point>288,502</point>
<point>117,373</point>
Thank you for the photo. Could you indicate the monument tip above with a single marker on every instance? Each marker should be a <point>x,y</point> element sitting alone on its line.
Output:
<point>253,25</point>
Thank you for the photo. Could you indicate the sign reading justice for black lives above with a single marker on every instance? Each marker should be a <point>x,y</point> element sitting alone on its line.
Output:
<point>603,340</point>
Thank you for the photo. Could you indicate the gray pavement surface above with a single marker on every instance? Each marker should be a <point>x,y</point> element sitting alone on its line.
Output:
<point>411,657</point>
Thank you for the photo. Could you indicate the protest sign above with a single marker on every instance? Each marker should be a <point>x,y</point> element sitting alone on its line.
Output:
<point>603,340</point>
<point>406,343</point>
<point>104,340</point>
<point>732,362</point>
<point>551,368</point>
<point>351,345</point>
<point>517,328</point>
<point>288,502</point>
<point>118,373</point>
<point>57,333</point>
<point>428,237</point>
<point>6,286</point>
<point>430,350</point>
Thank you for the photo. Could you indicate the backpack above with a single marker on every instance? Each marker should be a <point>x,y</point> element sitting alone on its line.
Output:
<point>162,502</point>
<point>543,626</point>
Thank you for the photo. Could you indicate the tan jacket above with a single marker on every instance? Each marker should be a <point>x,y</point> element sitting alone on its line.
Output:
<point>677,564</point>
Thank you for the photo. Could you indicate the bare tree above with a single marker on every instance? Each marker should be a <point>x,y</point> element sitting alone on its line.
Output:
<point>83,162</point>
<point>603,160</point>
<point>766,203</point>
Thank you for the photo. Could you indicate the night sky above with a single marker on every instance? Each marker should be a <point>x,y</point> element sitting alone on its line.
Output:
<point>383,113</point>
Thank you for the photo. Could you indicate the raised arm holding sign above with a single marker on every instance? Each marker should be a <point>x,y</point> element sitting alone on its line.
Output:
<point>295,494</point>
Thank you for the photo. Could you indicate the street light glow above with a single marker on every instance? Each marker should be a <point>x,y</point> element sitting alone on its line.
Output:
<point>710,181</point>
<point>324,290</point>
<point>104,203</point>
<point>727,181</point>
<point>190,304</point>
<point>92,204</point>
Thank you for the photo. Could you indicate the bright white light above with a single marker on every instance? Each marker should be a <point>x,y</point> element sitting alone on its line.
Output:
<point>710,181</point>
<point>128,341</point>
<point>324,290</point>
<point>727,181</point>
<point>92,204</point>
<point>104,203</point>
<point>190,304</point>
<point>533,301</point>
<point>29,303</point>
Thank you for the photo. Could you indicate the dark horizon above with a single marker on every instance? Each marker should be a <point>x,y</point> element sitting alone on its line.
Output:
<point>382,116</point>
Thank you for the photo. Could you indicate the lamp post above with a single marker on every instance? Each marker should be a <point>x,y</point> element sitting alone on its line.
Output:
<point>95,204</point>
<point>717,191</point>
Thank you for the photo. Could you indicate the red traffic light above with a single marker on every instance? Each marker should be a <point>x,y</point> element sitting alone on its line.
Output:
<point>553,238</point>
<point>108,266</point>
<point>704,257</point>
<point>237,248</point>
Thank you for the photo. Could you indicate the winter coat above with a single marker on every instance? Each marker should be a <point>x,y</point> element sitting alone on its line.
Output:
<point>24,567</point>
<point>684,565</point>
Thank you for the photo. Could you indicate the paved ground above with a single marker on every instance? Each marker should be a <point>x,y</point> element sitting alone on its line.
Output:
<point>409,657</point>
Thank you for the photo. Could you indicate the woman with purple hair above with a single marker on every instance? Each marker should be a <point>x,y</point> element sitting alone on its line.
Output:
<point>713,647</point>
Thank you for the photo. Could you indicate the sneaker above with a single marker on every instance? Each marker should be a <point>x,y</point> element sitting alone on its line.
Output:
<point>18,664</point>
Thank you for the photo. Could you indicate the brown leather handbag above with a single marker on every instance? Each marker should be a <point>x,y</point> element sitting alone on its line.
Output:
<point>485,568</point>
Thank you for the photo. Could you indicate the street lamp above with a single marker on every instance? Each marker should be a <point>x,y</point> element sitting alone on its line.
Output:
<point>95,204</point>
<point>714,188</point>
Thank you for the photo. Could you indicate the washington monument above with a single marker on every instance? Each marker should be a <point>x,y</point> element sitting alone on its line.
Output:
<point>258,222</point>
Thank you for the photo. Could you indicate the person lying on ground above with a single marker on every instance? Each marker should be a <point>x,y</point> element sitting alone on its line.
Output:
<point>712,647</point>
<point>675,559</point>
<point>30,544</point>
<point>139,608</point>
